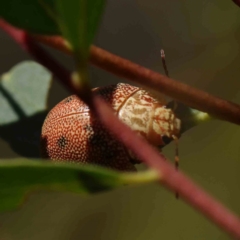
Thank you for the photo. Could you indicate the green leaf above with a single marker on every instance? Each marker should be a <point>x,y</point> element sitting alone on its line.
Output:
<point>78,21</point>
<point>23,91</point>
<point>20,177</point>
<point>23,99</point>
<point>29,15</point>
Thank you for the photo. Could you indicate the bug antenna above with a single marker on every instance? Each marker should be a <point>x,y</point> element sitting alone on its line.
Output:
<point>166,73</point>
<point>164,62</point>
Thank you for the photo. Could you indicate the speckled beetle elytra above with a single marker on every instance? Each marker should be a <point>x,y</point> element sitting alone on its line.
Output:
<point>70,132</point>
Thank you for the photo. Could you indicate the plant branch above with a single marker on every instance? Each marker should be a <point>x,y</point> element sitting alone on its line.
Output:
<point>172,179</point>
<point>190,96</point>
<point>237,2</point>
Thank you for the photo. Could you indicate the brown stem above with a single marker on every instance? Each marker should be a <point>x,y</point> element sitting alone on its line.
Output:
<point>192,97</point>
<point>237,2</point>
<point>172,179</point>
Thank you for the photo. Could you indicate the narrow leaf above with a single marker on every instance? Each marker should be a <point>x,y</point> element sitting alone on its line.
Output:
<point>78,21</point>
<point>23,103</point>
<point>29,15</point>
<point>20,177</point>
<point>23,91</point>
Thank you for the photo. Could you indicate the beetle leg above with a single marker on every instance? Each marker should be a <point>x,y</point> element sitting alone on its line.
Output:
<point>176,157</point>
<point>176,151</point>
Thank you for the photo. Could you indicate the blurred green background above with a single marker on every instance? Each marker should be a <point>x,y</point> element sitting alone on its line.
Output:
<point>201,42</point>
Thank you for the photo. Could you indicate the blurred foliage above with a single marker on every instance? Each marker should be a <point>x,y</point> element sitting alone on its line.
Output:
<point>23,100</point>
<point>30,15</point>
<point>23,91</point>
<point>78,21</point>
<point>19,177</point>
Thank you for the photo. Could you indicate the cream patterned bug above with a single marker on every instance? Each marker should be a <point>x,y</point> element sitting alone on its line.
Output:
<point>71,133</point>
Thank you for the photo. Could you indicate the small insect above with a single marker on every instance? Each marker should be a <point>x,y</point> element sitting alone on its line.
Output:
<point>71,133</point>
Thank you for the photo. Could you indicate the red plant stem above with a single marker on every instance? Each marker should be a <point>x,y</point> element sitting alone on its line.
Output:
<point>192,97</point>
<point>237,2</point>
<point>171,178</point>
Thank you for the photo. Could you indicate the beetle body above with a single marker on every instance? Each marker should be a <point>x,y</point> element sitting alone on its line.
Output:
<point>71,133</point>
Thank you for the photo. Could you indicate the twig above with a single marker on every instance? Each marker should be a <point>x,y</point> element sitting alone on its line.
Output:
<point>174,180</point>
<point>192,97</point>
<point>237,2</point>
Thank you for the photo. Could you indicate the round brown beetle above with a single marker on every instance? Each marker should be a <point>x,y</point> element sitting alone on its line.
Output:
<point>71,133</point>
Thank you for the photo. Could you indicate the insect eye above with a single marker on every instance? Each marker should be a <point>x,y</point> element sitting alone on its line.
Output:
<point>166,139</point>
